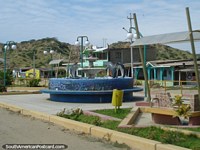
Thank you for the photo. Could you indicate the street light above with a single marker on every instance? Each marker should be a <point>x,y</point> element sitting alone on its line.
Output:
<point>8,46</point>
<point>34,63</point>
<point>50,51</point>
<point>130,36</point>
<point>77,43</point>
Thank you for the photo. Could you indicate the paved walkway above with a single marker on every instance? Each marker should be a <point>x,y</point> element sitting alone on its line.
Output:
<point>40,102</point>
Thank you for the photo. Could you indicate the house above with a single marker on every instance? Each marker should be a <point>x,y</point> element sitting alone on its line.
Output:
<point>29,73</point>
<point>33,73</point>
<point>173,71</point>
<point>123,54</point>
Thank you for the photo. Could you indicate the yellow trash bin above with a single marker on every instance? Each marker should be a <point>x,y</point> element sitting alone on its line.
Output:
<point>117,97</point>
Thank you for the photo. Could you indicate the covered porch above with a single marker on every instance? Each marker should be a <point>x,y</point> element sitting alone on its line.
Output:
<point>155,72</point>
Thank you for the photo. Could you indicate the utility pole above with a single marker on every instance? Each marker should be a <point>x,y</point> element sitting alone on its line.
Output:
<point>34,72</point>
<point>142,60</point>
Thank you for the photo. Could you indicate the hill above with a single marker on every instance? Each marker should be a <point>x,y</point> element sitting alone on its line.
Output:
<point>167,52</point>
<point>23,56</point>
<point>163,52</point>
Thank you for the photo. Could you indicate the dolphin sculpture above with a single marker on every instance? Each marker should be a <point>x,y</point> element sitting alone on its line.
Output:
<point>73,69</point>
<point>115,68</point>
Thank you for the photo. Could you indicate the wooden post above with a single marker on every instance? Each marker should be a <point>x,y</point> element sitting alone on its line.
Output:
<point>142,60</point>
<point>193,50</point>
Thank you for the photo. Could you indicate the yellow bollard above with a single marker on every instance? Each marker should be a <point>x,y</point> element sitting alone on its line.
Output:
<point>117,97</point>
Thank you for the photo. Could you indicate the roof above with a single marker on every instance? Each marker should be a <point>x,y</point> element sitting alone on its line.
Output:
<point>180,63</point>
<point>166,62</point>
<point>168,38</point>
<point>188,70</point>
<point>99,49</point>
<point>53,62</point>
<point>158,64</point>
<point>1,59</point>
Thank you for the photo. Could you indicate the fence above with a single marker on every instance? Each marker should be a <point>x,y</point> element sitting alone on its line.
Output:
<point>185,88</point>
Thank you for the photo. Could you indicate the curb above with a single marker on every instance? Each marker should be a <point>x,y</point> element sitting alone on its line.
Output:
<point>20,93</point>
<point>98,132</point>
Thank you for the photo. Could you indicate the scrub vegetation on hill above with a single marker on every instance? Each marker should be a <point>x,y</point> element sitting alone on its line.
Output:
<point>22,57</point>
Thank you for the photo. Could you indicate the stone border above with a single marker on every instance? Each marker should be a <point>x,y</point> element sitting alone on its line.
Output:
<point>128,121</point>
<point>99,132</point>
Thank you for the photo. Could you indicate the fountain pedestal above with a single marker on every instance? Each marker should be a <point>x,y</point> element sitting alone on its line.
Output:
<point>90,89</point>
<point>84,90</point>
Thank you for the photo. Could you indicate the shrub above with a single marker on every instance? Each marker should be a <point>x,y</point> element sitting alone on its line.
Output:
<point>137,82</point>
<point>3,88</point>
<point>9,77</point>
<point>182,110</point>
<point>33,82</point>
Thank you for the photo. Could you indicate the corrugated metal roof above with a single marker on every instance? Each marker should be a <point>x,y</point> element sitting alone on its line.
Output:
<point>54,62</point>
<point>168,38</point>
<point>170,64</point>
<point>188,70</point>
<point>187,63</point>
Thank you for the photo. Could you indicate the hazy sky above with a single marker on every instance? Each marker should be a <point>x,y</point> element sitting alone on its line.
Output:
<point>23,20</point>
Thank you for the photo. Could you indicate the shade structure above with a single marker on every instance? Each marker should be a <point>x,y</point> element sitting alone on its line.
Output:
<point>176,37</point>
<point>55,62</point>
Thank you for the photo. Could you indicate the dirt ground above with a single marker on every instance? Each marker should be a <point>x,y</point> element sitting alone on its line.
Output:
<point>18,129</point>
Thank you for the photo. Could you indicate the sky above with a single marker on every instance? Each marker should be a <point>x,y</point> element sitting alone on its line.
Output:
<point>100,20</point>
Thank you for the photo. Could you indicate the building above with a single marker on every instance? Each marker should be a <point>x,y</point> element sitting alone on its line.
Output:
<point>123,55</point>
<point>173,71</point>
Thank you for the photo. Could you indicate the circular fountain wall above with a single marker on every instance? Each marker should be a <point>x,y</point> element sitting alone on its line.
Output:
<point>94,90</point>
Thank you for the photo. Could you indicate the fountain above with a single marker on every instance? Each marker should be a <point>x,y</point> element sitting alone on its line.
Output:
<point>91,89</point>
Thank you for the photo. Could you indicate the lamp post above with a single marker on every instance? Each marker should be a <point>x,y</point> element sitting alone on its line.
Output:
<point>34,63</point>
<point>50,51</point>
<point>77,43</point>
<point>130,36</point>
<point>9,45</point>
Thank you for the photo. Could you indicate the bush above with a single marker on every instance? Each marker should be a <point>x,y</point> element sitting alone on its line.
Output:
<point>9,77</point>
<point>33,82</point>
<point>182,110</point>
<point>138,82</point>
<point>3,88</point>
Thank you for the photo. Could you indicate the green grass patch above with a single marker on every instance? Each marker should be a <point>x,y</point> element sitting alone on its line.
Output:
<point>153,133</point>
<point>193,129</point>
<point>84,118</point>
<point>168,137</point>
<point>110,124</point>
<point>121,113</point>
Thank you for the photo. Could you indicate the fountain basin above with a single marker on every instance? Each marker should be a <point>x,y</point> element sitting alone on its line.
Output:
<point>91,72</point>
<point>84,90</point>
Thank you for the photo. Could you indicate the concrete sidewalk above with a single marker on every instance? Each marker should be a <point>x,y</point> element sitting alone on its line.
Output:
<point>38,106</point>
<point>40,102</point>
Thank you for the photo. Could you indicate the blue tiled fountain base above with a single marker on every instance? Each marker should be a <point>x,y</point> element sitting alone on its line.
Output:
<point>88,96</point>
<point>98,90</point>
